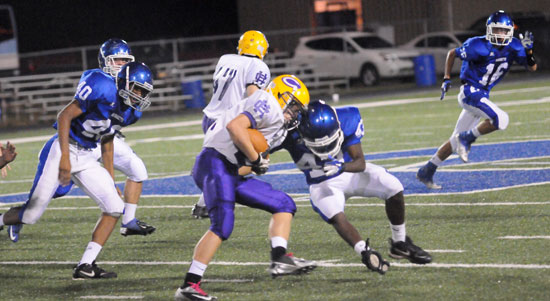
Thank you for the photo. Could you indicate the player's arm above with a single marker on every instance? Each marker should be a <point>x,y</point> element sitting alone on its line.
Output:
<point>357,163</point>
<point>107,154</point>
<point>251,88</point>
<point>237,129</point>
<point>64,118</point>
<point>449,62</point>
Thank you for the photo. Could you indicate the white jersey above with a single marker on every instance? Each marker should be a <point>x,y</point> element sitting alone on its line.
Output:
<point>233,73</point>
<point>265,115</point>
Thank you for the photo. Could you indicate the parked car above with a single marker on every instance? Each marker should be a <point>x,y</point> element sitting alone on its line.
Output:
<point>360,55</point>
<point>438,44</point>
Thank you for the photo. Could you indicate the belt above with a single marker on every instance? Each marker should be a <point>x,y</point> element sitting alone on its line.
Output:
<point>78,145</point>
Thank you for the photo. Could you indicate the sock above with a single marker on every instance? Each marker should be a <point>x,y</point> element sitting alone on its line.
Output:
<point>1,219</point>
<point>398,232</point>
<point>435,160</point>
<point>191,278</point>
<point>129,212</point>
<point>360,246</point>
<point>92,250</point>
<point>201,201</point>
<point>277,241</point>
<point>197,268</point>
<point>469,136</point>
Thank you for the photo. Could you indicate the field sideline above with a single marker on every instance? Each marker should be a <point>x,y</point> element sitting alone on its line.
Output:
<point>488,230</point>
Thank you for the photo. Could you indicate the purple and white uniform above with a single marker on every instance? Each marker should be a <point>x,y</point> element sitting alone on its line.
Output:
<point>216,167</point>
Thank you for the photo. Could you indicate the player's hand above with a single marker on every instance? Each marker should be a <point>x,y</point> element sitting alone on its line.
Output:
<point>64,171</point>
<point>8,153</point>
<point>332,166</point>
<point>527,40</point>
<point>261,165</point>
<point>445,86</point>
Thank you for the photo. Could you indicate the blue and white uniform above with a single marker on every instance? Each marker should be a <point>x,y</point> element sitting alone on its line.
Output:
<point>483,66</point>
<point>232,75</point>
<point>216,168</point>
<point>97,97</point>
<point>328,194</point>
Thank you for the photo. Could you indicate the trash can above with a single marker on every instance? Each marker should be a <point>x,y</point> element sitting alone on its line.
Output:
<point>424,70</point>
<point>193,87</point>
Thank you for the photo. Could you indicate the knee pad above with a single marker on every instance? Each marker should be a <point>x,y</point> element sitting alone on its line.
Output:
<point>502,120</point>
<point>114,209</point>
<point>135,169</point>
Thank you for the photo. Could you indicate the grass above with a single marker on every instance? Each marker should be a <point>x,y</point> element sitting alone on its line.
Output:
<point>477,263</point>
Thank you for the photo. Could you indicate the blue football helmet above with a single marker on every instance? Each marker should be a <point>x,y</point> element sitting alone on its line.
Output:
<point>135,84</point>
<point>111,50</point>
<point>320,129</point>
<point>500,28</point>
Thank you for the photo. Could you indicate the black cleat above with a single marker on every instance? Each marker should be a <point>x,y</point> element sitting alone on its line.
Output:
<point>193,292</point>
<point>91,271</point>
<point>406,249</point>
<point>199,211</point>
<point>136,227</point>
<point>374,261</point>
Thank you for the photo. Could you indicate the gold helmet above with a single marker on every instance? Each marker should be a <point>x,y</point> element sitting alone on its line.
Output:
<point>253,43</point>
<point>292,95</point>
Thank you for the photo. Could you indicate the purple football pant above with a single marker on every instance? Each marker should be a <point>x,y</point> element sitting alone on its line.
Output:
<point>223,187</point>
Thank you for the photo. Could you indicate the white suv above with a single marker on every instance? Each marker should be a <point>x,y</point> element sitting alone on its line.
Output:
<point>360,55</point>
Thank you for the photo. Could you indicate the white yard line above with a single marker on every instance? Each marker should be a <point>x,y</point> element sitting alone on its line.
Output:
<point>107,297</point>
<point>320,263</point>
<point>524,237</point>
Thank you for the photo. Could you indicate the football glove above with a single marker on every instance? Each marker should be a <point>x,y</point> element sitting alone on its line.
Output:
<point>527,40</point>
<point>445,86</point>
<point>261,165</point>
<point>332,166</point>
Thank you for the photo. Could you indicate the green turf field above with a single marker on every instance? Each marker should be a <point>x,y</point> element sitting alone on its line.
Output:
<point>469,235</point>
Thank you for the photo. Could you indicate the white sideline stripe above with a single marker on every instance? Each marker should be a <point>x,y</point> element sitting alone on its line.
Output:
<point>319,263</point>
<point>307,205</point>
<point>359,105</point>
<point>111,297</point>
<point>525,237</point>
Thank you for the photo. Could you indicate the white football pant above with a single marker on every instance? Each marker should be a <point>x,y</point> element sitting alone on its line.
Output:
<point>329,197</point>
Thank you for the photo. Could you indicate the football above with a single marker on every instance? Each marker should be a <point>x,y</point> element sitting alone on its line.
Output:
<point>258,140</point>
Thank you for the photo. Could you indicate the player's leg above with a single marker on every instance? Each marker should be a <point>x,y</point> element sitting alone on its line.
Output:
<point>43,188</point>
<point>466,121</point>
<point>98,184</point>
<point>126,161</point>
<point>217,180</point>
<point>478,104</point>
<point>328,200</point>
<point>261,195</point>
<point>376,181</point>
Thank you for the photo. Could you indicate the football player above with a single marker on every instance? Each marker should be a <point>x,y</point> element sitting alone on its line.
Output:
<point>227,147</point>
<point>236,76</point>
<point>327,149</point>
<point>485,61</point>
<point>68,155</point>
<point>113,54</point>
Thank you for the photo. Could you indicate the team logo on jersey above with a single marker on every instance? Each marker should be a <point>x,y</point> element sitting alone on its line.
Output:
<point>261,107</point>
<point>492,54</point>
<point>291,82</point>
<point>463,52</point>
<point>261,78</point>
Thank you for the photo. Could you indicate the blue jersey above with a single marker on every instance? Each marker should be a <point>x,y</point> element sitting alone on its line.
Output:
<point>484,64</point>
<point>124,115</point>
<point>351,124</point>
<point>97,97</point>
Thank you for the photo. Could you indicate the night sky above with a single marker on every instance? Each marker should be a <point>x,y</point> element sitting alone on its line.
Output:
<point>53,24</point>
